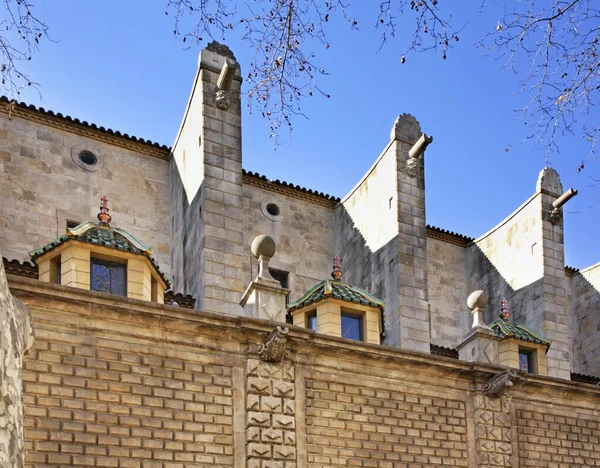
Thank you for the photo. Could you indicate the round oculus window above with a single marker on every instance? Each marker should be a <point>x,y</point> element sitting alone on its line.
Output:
<point>87,157</point>
<point>272,209</point>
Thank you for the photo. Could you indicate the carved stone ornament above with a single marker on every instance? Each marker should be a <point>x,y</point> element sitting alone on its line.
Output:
<point>273,348</point>
<point>222,100</point>
<point>499,384</point>
<point>411,167</point>
<point>555,215</point>
<point>220,49</point>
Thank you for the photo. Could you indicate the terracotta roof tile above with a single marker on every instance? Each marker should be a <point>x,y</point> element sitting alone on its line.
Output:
<point>83,123</point>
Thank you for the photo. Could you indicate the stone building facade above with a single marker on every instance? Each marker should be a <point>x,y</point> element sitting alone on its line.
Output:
<point>127,382</point>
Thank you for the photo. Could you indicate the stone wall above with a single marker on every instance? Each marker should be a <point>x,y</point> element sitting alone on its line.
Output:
<point>450,317</point>
<point>585,308</point>
<point>506,263</point>
<point>42,187</point>
<point>118,382</point>
<point>381,232</point>
<point>522,260</point>
<point>302,227</point>
<point>207,172</point>
<point>113,381</point>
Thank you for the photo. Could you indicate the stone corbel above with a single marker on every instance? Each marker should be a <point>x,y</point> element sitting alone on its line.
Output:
<point>555,214</point>
<point>499,384</point>
<point>273,348</point>
<point>415,152</point>
<point>224,83</point>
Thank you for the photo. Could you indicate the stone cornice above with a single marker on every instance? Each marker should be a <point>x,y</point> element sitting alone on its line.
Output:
<point>448,236</point>
<point>114,317</point>
<point>84,129</point>
<point>25,269</point>
<point>290,190</point>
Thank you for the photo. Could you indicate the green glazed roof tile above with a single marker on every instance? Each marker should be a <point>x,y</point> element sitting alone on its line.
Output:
<point>513,330</point>
<point>104,236</point>
<point>337,290</point>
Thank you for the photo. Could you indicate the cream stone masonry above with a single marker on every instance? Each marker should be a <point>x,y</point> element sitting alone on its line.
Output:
<point>382,236</point>
<point>585,320</point>
<point>206,174</point>
<point>301,226</point>
<point>522,259</point>
<point>42,188</point>
<point>113,380</point>
<point>552,316</point>
<point>199,212</point>
<point>447,292</point>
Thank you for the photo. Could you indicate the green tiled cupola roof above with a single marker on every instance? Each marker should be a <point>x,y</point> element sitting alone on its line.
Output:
<point>336,289</point>
<point>513,330</point>
<point>505,329</point>
<point>102,235</point>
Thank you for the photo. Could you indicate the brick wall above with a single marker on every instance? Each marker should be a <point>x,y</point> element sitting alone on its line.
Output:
<point>557,437</point>
<point>89,405</point>
<point>351,425</point>
<point>117,382</point>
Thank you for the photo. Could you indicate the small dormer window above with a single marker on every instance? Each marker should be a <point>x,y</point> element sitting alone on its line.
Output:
<point>526,361</point>
<point>100,257</point>
<point>108,277</point>
<point>352,326</point>
<point>311,320</point>
<point>336,308</point>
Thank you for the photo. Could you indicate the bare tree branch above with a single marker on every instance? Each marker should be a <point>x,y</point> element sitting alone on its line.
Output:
<point>20,34</point>
<point>557,44</point>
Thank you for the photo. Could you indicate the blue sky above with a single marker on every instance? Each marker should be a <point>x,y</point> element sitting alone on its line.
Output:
<point>117,64</point>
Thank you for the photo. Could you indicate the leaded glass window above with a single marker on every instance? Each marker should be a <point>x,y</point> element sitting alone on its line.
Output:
<point>526,361</point>
<point>352,326</point>
<point>108,277</point>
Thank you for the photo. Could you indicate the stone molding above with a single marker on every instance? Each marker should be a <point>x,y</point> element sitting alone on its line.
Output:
<point>448,236</point>
<point>24,269</point>
<point>289,191</point>
<point>378,360</point>
<point>86,130</point>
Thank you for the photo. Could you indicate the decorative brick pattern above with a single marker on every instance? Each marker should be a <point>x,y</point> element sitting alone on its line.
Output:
<point>550,438</point>
<point>493,431</point>
<point>271,422</point>
<point>87,406</point>
<point>349,425</point>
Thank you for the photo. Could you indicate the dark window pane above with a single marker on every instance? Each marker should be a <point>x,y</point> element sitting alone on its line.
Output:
<point>352,327</point>
<point>312,321</point>
<point>108,277</point>
<point>282,277</point>
<point>526,361</point>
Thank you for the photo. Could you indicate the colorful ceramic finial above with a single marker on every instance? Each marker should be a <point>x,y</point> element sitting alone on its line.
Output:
<point>336,274</point>
<point>103,216</point>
